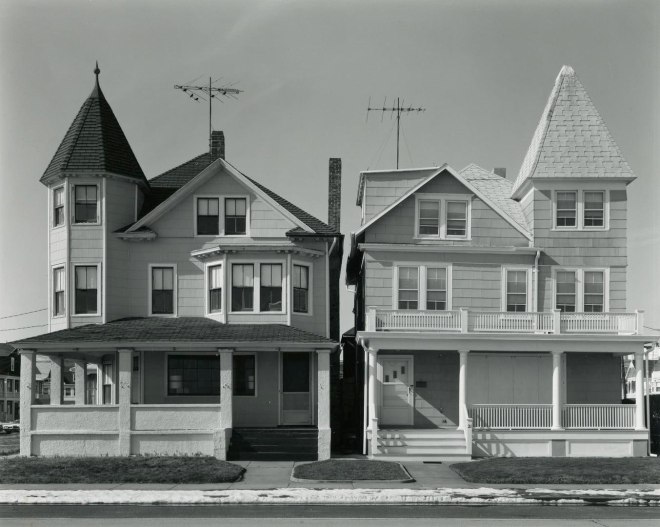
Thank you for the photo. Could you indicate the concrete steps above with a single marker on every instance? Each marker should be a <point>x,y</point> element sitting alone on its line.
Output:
<point>273,444</point>
<point>422,445</point>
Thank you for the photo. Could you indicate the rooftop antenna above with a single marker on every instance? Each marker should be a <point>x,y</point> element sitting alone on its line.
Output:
<point>212,92</point>
<point>398,110</point>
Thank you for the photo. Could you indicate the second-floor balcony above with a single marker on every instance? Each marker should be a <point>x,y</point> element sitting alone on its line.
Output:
<point>469,321</point>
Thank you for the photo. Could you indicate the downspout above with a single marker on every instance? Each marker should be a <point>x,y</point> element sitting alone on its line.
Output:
<point>536,280</point>
<point>365,397</point>
<point>648,398</point>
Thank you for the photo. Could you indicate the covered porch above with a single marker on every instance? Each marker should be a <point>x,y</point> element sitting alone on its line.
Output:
<point>443,396</point>
<point>143,395</point>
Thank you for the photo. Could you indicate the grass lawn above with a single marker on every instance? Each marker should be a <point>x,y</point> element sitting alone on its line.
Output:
<point>350,469</point>
<point>9,444</point>
<point>157,469</point>
<point>544,470</point>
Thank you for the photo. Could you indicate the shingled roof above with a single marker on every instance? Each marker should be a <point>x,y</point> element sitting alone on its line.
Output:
<point>571,139</point>
<point>95,142</point>
<point>182,329</point>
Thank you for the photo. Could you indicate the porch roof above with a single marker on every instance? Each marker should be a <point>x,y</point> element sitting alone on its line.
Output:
<point>181,329</point>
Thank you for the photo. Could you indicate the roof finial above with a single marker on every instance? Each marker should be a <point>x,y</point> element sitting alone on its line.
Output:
<point>97,71</point>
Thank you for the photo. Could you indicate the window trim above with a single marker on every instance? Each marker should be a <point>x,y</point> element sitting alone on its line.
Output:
<point>175,295</point>
<point>422,268</point>
<point>283,286</point>
<point>54,208</point>
<point>167,371</point>
<point>579,286</point>
<point>606,201</point>
<point>443,199</point>
<point>504,283</point>
<point>207,284</point>
<point>310,288</point>
<point>98,204</point>
<point>256,375</point>
<point>579,210</point>
<point>54,268</point>
<point>221,216</point>
<point>257,285</point>
<point>247,215</point>
<point>99,290</point>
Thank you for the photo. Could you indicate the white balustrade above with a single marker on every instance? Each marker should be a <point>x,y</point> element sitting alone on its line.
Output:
<point>599,416</point>
<point>617,323</point>
<point>495,321</point>
<point>390,319</point>
<point>511,416</point>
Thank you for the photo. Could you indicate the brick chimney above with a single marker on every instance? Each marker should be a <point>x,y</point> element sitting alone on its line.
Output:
<point>500,172</point>
<point>334,192</point>
<point>217,144</point>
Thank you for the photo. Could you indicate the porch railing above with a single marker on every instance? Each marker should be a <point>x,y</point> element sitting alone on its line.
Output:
<point>511,416</point>
<point>467,321</point>
<point>599,416</point>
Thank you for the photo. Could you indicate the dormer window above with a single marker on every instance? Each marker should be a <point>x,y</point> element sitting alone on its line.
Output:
<point>442,217</point>
<point>429,217</point>
<point>235,216</point>
<point>58,206</point>
<point>86,204</point>
<point>456,219</point>
<point>208,216</point>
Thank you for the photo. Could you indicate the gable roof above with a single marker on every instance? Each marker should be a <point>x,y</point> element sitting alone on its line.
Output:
<point>95,142</point>
<point>571,139</point>
<point>492,203</point>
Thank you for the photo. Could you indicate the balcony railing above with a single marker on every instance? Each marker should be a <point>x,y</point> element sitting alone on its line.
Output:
<point>468,321</point>
<point>599,416</point>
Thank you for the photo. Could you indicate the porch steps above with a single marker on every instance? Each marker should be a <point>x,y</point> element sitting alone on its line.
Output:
<point>422,445</point>
<point>273,444</point>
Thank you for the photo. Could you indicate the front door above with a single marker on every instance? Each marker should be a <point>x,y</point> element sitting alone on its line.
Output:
<point>296,395</point>
<point>397,394</point>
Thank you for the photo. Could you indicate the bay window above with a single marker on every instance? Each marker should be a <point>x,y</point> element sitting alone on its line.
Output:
<point>242,290</point>
<point>300,289</point>
<point>58,291</point>
<point>215,288</point>
<point>58,206</point>
<point>270,287</point>
<point>86,204</point>
<point>86,289</point>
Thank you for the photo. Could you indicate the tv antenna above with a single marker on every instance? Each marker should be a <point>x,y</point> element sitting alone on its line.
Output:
<point>398,110</point>
<point>210,92</point>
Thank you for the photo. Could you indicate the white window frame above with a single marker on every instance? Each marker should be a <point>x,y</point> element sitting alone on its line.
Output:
<point>503,289</point>
<point>256,374</point>
<point>207,284</point>
<point>247,215</point>
<point>443,199</point>
<point>99,290</point>
<point>52,290</point>
<point>310,288</point>
<point>257,286</point>
<point>422,268</point>
<point>175,292</point>
<point>99,200</point>
<point>220,214</point>
<point>52,219</point>
<point>579,287</point>
<point>579,220</point>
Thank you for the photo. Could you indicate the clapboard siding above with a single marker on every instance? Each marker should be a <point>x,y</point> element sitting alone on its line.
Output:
<point>527,204</point>
<point>381,190</point>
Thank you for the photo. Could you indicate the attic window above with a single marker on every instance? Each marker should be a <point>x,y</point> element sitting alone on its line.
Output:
<point>208,216</point>
<point>235,216</point>
<point>442,216</point>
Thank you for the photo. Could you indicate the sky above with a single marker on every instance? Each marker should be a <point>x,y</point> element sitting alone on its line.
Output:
<point>482,69</point>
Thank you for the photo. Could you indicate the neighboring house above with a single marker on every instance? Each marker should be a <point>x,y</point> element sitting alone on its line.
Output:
<point>492,313</point>
<point>10,367</point>
<point>651,375</point>
<point>199,309</point>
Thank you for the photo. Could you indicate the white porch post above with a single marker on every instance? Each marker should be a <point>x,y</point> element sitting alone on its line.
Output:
<point>27,384</point>
<point>323,395</point>
<point>55,379</point>
<point>80,374</point>
<point>125,371</point>
<point>556,390</point>
<point>462,389</point>
<point>373,403</point>
<point>639,390</point>
<point>223,435</point>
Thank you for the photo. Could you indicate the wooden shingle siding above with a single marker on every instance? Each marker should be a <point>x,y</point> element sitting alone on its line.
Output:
<point>527,203</point>
<point>383,189</point>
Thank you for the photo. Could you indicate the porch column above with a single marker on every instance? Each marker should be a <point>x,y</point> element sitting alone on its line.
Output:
<point>27,384</point>
<point>556,390</point>
<point>323,395</point>
<point>462,389</point>
<point>55,379</point>
<point>373,406</point>
<point>223,435</point>
<point>80,374</point>
<point>639,391</point>
<point>125,371</point>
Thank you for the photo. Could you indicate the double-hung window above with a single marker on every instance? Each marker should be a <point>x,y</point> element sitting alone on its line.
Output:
<point>86,204</point>
<point>300,289</point>
<point>443,217</point>
<point>245,375</point>
<point>594,291</point>
<point>566,209</point>
<point>162,290</point>
<point>408,288</point>
<point>193,375</point>
<point>58,291</point>
<point>436,288</point>
<point>235,216</point>
<point>208,216</point>
<point>429,217</point>
<point>215,288</point>
<point>456,219</point>
<point>86,286</point>
<point>516,290</point>
<point>270,287</point>
<point>566,291</point>
<point>58,206</point>
<point>242,287</point>
<point>594,209</point>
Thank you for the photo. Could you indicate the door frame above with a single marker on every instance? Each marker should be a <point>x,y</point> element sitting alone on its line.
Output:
<point>280,388</point>
<point>379,376</point>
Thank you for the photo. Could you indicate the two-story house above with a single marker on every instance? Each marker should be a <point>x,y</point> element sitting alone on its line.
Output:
<point>492,313</point>
<point>198,308</point>
<point>10,364</point>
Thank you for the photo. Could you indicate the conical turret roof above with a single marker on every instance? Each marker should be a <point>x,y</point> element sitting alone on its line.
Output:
<point>95,142</point>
